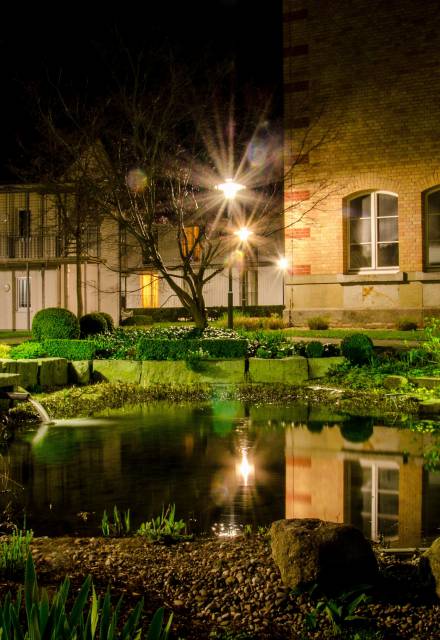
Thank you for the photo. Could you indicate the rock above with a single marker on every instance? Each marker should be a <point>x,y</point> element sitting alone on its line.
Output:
<point>430,566</point>
<point>428,382</point>
<point>394,382</point>
<point>429,407</point>
<point>313,551</point>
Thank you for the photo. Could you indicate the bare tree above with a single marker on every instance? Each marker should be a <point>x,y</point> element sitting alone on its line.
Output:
<point>149,156</point>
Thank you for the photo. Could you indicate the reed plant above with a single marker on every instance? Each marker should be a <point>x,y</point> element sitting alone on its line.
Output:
<point>120,526</point>
<point>164,528</point>
<point>88,618</point>
<point>14,550</point>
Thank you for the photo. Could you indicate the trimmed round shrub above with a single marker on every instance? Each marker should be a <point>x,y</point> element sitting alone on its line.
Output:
<point>55,323</point>
<point>92,324</point>
<point>314,349</point>
<point>357,348</point>
<point>109,321</point>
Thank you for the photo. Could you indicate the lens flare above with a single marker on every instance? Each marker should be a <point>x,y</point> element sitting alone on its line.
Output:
<point>282,263</point>
<point>230,188</point>
<point>243,234</point>
<point>137,180</point>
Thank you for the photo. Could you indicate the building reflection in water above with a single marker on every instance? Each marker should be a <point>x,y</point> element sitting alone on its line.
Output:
<point>378,484</point>
<point>225,463</point>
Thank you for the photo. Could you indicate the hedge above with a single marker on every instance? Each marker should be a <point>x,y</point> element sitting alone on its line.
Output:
<point>172,314</point>
<point>154,349</point>
<point>70,349</point>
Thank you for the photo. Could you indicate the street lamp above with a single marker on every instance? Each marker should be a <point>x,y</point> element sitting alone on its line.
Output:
<point>229,188</point>
<point>283,265</point>
<point>243,234</point>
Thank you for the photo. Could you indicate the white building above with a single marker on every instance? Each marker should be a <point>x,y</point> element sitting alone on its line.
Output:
<point>39,266</point>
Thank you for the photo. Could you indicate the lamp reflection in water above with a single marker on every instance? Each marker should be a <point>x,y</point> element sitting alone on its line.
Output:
<point>239,487</point>
<point>244,469</point>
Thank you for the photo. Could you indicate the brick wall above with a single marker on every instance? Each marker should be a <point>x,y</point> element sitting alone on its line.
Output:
<point>362,78</point>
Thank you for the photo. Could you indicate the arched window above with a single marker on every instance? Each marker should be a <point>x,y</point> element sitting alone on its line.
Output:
<point>432,229</point>
<point>373,232</point>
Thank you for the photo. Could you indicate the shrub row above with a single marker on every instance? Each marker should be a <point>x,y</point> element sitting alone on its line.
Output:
<point>160,349</point>
<point>69,349</point>
<point>172,314</point>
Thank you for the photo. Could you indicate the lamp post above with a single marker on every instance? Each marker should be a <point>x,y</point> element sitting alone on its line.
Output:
<point>229,188</point>
<point>243,235</point>
<point>283,264</point>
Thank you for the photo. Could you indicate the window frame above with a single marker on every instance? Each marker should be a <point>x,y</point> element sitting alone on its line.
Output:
<point>374,491</point>
<point>374,268</point>
<point>26,282</point>
<point>427,265</point>
<point>149,290</point>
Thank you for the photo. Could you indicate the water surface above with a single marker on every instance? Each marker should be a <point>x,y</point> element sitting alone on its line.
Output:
<point>225,465</point>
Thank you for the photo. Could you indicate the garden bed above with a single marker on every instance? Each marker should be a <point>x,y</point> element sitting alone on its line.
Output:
<point>218,587</point>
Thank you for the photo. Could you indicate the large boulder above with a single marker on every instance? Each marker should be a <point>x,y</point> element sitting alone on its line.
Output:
<point>430,566</point>
<point>335,556</point>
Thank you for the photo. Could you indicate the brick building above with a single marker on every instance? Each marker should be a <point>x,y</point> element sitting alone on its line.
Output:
<point>362,131</point>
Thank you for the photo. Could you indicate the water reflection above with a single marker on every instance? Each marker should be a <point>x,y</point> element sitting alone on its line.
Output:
<point>226,465</point>
<point>376,483</point>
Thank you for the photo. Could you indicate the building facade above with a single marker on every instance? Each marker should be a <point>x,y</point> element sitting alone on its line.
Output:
<point>362,131</point>
<point>41,266</point>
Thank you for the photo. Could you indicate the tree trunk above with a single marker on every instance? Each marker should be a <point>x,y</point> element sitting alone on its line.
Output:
<point>79,292</point>
<point>199,314</point>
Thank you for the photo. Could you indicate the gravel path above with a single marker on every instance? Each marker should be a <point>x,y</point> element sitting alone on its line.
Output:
<point>230,588</point>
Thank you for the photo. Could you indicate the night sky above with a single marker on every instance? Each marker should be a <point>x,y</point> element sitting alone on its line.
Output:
<point>79,44</point>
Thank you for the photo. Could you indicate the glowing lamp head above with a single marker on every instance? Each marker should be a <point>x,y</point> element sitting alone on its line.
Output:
<point>230,188</point>
<point>283,263</point>
<point>243,234</point>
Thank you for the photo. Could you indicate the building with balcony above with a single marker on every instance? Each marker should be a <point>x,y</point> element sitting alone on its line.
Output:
<point>362,124</point>
<point>39,261</point>
<point>50,259</point>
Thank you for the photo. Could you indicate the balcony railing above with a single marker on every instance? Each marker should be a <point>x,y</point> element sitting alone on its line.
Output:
<point>30,247</point>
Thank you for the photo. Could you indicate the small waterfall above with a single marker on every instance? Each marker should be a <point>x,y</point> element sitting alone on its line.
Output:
<point>25,396</point>
<point>44,416</point>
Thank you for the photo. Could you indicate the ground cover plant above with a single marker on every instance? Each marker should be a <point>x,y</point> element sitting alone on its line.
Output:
<point>169,343</point>
<point>88,400</point>
<point>340,333</point>
<point>252,323</point>
<point>367,369</point>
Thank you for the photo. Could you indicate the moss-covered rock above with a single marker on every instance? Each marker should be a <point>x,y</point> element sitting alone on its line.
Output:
<point>395,382</point>
<point>292,371</point>
<point>428,382</point>
<point>178,372</point>
<point>52,372</point>
<point>9,380</point>
<point>79,371</point>
<point>128,371</point>
<point>319,367</point>
<point>27,369</point>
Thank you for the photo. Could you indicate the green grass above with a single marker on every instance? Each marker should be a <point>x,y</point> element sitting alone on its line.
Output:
<point>14,334</point>
<point>374,334</point>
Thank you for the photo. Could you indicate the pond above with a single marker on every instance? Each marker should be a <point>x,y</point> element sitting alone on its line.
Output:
<point>224,465</point>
